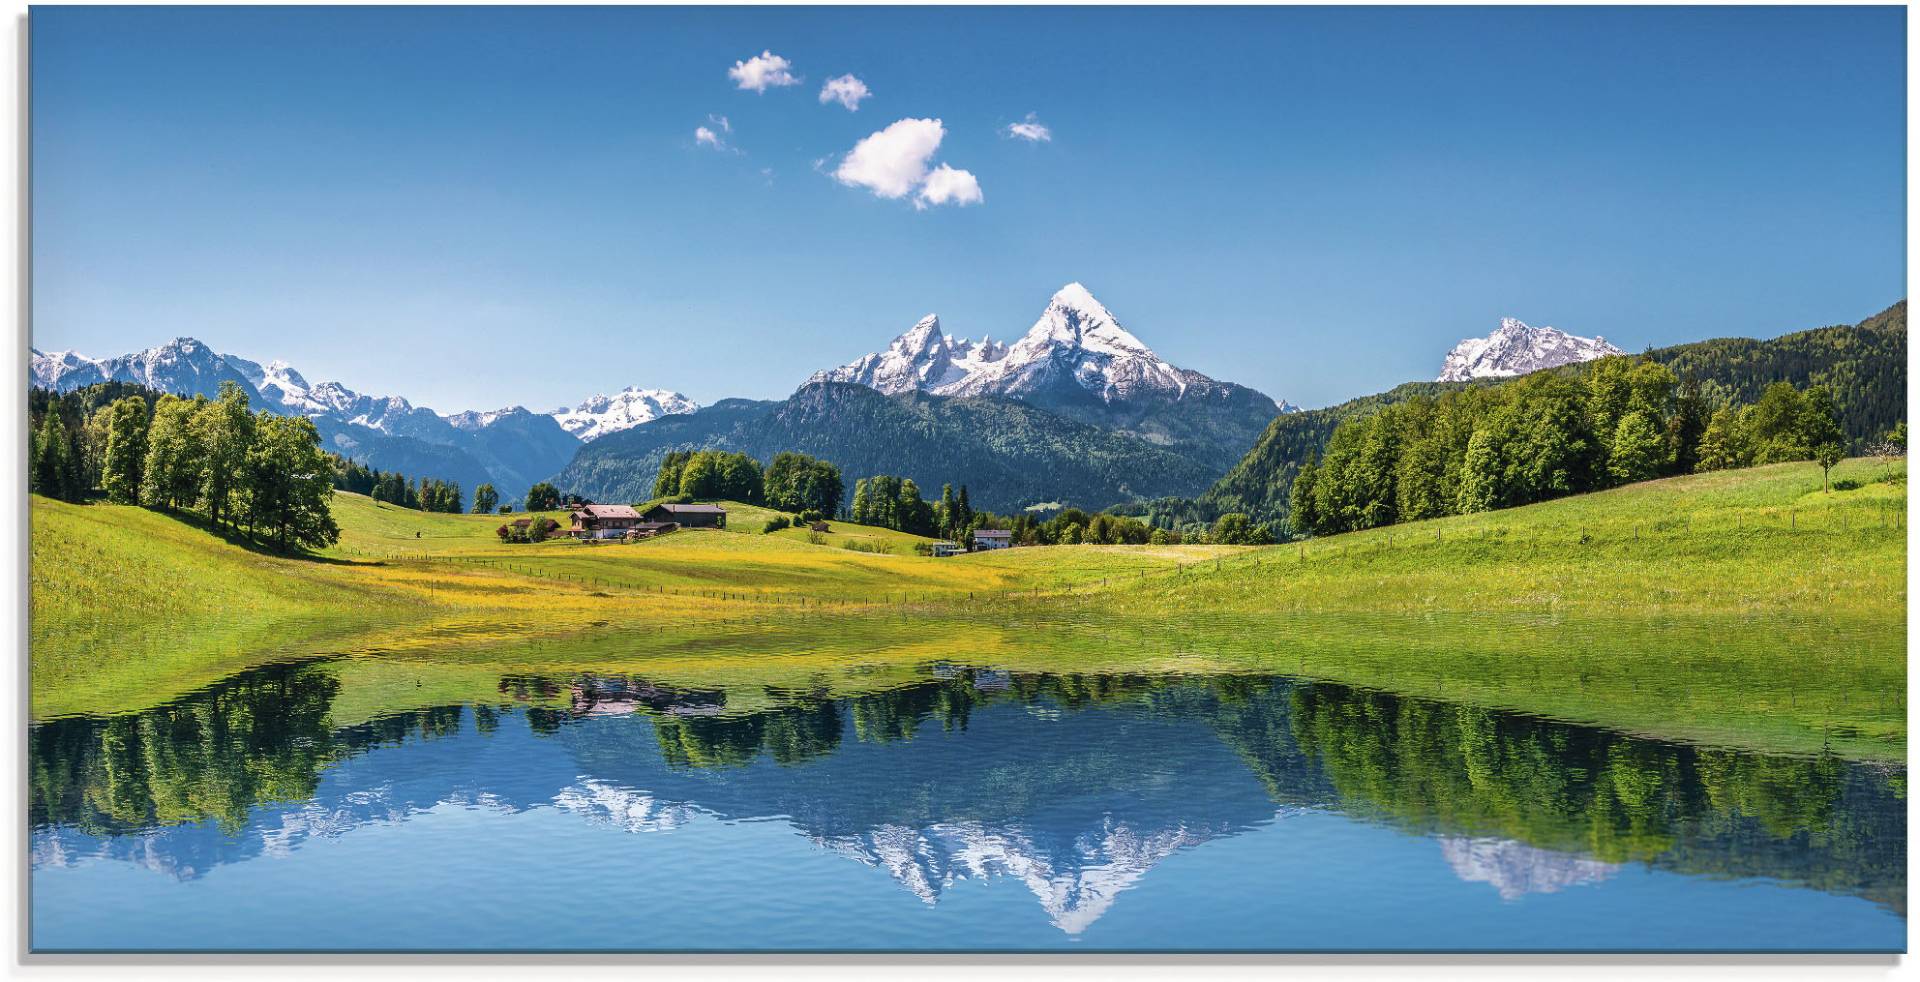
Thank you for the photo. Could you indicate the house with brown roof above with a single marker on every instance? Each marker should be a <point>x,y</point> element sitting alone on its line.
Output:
<point>689,516</point>
<point>603,521</point>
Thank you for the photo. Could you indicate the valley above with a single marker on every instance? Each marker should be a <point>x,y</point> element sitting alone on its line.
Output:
<point>1747,607</point>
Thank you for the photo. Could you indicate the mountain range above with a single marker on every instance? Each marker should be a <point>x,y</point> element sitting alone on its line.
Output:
<point>1076,361</point>
<point>1008,453</point>
<point>1078,790</point>
<point>510,448</point>
<point>1517,349</point>
<point>1077,410</point>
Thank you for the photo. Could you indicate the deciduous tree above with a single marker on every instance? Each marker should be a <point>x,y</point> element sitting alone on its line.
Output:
<point>126,450</point>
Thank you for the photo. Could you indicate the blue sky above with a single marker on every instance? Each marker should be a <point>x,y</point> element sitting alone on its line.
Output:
<point>478,207</point>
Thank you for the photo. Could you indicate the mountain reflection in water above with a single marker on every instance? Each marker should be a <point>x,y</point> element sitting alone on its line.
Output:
<point>1076,787</point>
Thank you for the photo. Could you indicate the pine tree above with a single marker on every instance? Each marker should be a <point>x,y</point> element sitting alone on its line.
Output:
<point>51,469</point>
<point>1688,427</point>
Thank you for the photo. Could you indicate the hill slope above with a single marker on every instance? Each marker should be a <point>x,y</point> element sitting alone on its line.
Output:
<point>1009,454</point>
<point>1738,607</point>
<point>1865,364</point>
<point>1742,606</point>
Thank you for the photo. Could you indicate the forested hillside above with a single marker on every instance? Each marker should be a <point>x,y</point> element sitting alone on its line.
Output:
<point>1008,453</point>
<point>1863,365</point>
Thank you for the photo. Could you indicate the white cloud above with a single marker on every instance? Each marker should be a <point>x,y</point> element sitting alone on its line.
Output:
<point>897,161</point>
<point>709,137</point>
<point>1030,129</point>
<point>845,90</point>
<point>948,185</point>
<point>893,161</point>
<point>763,71</point>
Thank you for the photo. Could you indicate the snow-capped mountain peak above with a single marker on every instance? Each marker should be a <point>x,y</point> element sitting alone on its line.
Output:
<point>51,369</point>
<point>924,359</point>
<point>1517,349</point>
<point>1076,344</point>
<point>472,419</point>
<point>1075,318</point>
<point>183,365</point>
<point>1076,341</point>
<point>188,367</point>
<point>631,406</point>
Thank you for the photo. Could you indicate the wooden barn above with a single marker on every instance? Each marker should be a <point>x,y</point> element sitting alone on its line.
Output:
<point>689,516</point>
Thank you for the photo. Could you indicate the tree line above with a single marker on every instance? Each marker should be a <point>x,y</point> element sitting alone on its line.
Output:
<point>1864,366</point>
<point>394,488</point>
<point>258,474</point>
<point>893,502</point>
<point>1547,435</point>
<point>791,482</point>
<point>1072,526</point>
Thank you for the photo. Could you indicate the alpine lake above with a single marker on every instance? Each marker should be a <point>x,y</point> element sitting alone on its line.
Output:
<point>956,785</point>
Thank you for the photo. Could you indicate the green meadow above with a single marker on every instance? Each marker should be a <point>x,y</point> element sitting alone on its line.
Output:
<point>1748,608</point>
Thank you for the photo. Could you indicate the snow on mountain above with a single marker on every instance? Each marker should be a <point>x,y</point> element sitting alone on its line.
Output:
<point>1517,869</point>
<point>183,366</point>
<point>1076,338</point>
<point>65,370</point>
<point>281,385</point>
<point>511,448</point>
<point>1516,349</point>
<point>188,367</point>
<point>1076,344</point>
<point>923,359</point>
<point>604,414</point>
<point>1074,888</point>
<point>473,420</point>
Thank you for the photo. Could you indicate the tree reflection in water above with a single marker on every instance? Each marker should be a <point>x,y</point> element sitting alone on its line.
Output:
<point>1521,802</point>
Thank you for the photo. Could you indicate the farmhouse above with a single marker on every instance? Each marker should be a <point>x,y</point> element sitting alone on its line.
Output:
<point>603,521</point>
<point>689,516</point>
<point>984,539</point>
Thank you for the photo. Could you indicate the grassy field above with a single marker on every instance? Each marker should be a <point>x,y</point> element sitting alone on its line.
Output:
<point>1766,540</point>
<point>1745,607</point>
<point>131,606</point>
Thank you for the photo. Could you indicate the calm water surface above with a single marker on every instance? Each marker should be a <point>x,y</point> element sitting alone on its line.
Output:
<point>971,809</point>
